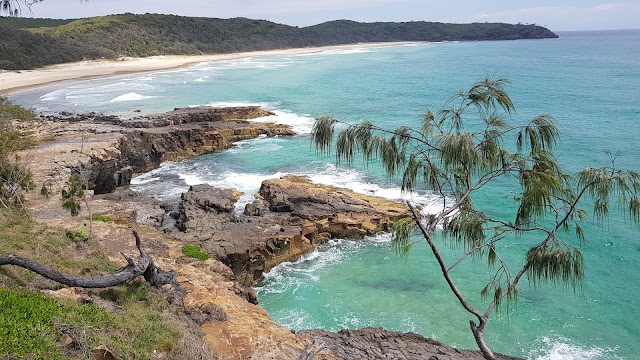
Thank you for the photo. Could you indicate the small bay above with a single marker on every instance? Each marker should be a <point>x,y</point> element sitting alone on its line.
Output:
<point>588,81</point>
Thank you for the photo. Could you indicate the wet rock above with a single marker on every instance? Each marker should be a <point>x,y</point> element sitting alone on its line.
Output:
<point>339,212</point>
<point>256,208</point>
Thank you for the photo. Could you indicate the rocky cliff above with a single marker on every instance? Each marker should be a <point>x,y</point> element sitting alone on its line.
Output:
<point>288,218</point>
<point>112,149</point>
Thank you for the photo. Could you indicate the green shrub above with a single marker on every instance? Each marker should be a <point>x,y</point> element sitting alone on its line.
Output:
<point>103,218</point>
<point>79,235</point>
<point>15,178</point>
<point>194,251</point>
<point>11,111</point>
<point>12,140</point>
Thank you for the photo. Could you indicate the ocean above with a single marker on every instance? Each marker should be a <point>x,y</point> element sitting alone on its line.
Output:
<point>588,81</point>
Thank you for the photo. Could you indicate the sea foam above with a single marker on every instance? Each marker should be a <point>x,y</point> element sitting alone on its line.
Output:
<point>563,349</point>
<point>131,96</point>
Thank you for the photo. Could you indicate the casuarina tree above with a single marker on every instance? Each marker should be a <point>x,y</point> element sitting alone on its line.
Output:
<point>461,149</point>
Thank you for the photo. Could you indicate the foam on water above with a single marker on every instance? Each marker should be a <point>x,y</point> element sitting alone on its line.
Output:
<point>348,51</point>
<point>90,94</point>
<point>290,276</point>
<point>191,179</point>
<point>247,183</point>
<point>201,79</point>
<point>336,52</point>
<point>298,319</point>
<point>132,96</point>
<point>144,179</point>
<point>356,181</point>
<point>563,349</point>
<point>225,104</point>
<point>261,144</point>
<point>251,63</point>
<point>300,124</point>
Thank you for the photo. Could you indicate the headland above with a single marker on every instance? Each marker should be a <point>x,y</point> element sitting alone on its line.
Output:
<point>288,218</point>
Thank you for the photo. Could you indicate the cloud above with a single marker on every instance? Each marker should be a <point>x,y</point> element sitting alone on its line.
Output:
<point>283,7</point>
<point>601,16</point>
<point>563,15</point>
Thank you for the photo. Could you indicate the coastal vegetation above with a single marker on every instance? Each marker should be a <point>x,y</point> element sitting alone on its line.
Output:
<point>129,321</point>
<point>194,251</point>
<point>15,178</point>
<point>32,326</point>
<point>457,153</point>
<point>103,218</point>
<point>30,43</point>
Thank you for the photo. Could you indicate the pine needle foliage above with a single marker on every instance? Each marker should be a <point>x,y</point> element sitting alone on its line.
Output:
<point>460,149</point>
<point>15,7</point>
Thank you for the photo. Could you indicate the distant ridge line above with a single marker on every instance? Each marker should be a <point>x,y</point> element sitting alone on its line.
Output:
<point>32,43</point>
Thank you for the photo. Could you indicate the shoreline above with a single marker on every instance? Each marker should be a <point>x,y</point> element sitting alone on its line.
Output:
<point>21,80</point>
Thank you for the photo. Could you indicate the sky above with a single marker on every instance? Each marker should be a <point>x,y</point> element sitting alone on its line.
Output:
<point>558,15</point>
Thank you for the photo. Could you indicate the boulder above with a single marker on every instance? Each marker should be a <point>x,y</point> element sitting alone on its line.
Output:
<point>205,209</point>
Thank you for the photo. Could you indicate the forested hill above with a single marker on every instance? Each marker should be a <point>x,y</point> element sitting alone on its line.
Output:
<point>30,43</point>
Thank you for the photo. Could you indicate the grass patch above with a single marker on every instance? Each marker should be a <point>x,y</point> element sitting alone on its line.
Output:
<point>102,218</point>
<point>77,236</point>
<point>11,139</point>
<point>194,251</point>
<point>31,325</point>
<point>138,322</point>
<point>22,236</point>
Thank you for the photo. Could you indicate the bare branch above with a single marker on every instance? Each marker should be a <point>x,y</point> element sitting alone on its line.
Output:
<point>144,266</point>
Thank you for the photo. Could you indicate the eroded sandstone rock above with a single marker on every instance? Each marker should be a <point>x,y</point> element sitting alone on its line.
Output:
<point>291,216</point>
<point>109,150</point>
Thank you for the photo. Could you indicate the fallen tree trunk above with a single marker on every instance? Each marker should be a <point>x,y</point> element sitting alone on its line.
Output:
<point>144,266</point>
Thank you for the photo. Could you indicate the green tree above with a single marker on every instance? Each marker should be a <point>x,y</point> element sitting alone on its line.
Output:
<point>460,150</point>
<point>73,193</point>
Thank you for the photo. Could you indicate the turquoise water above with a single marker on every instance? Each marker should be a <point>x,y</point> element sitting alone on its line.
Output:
<point>589,81</point>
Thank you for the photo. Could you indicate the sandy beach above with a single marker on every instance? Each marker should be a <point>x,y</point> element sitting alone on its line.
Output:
<point>11,81</point>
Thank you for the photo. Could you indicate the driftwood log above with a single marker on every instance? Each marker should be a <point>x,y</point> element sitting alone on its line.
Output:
<point>145,266</point>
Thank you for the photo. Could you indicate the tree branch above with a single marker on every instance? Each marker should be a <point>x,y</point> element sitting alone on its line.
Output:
<point>145,266</point>
<point>443,267</point>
